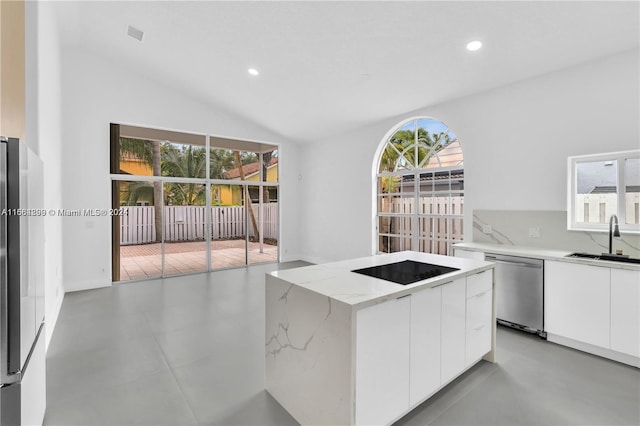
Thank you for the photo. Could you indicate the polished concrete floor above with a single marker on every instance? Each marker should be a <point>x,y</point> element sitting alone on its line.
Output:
<point>190,350</point>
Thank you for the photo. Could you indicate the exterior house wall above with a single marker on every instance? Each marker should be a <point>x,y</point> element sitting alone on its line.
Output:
<point>136,167</point>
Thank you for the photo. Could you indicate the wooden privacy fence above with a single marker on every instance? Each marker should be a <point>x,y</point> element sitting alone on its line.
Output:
<point>431,224</point>
<point>435,232</point>
<point>188,223</point>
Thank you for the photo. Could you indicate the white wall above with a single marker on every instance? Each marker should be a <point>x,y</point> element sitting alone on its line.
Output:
<point>97,92</point>
<point>43,135</point>
<point>515,140</point>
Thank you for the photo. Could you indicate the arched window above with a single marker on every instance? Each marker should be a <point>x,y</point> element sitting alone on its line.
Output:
<point>420,188</point>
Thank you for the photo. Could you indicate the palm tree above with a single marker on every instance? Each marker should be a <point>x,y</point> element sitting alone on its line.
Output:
<point>184,162</point>
<point>220,162</point>
<point>256,231</point>
<point>266,160</point>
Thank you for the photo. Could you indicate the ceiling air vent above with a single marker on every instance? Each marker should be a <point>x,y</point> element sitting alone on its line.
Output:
<point>135,33</point>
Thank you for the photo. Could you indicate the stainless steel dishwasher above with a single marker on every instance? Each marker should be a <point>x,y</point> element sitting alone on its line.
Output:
<point>519,284</point>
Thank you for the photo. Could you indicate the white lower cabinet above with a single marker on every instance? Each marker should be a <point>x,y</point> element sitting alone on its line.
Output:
<point>382,362</point>
<point>479,316</point>
<point>407,348</point>
<point>577,302</point>
<point>426,306</point>
<point>453,329</point>
<point>625,311</point>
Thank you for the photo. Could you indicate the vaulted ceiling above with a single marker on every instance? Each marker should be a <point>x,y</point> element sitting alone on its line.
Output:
<point>328,67</point>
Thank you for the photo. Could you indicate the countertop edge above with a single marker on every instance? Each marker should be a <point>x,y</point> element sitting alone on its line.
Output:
<point>419,286</point>
<point>544,254</point>
<point>343,269</point>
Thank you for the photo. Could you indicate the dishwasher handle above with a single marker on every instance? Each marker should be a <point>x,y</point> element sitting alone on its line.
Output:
<point>508,262</point>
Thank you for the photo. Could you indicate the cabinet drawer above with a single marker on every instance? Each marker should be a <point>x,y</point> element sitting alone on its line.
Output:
<point>479,283</point>
<point>479,310</point>
<point>478,343</point>
<point>478,326</point>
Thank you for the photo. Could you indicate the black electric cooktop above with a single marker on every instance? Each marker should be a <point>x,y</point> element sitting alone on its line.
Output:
<point>405,272</point>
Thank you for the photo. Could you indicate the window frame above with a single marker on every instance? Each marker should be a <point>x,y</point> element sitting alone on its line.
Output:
<point>619,158</point>
<point>209,142</point>
<point>415,235</point>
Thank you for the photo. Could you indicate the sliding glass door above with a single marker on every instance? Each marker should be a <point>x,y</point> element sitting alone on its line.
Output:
<point>184,228</point>
<point>140,246</point>
<point>229,231</point>
<point>193,203</point>
<point>263,234</point>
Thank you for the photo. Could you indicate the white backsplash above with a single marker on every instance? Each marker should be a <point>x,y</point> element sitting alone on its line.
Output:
<point>513,227</point>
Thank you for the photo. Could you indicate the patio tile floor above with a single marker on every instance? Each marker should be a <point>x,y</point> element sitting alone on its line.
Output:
<point>145,260</point>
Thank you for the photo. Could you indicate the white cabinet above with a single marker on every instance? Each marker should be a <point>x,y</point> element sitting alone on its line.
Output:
<point>478,316</point>
<point>625,311</point>
<point>425,343</point>
<point>382,361</point>
<point>468,254</point>
<point>577,302</point>
<point>408,348</point>
<point>453,329</point>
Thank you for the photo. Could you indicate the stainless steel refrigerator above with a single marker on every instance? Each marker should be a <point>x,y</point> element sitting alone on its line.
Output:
<point>22,348</point>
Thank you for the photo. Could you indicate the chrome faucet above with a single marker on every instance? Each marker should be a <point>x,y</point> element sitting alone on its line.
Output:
<point>613,232</point>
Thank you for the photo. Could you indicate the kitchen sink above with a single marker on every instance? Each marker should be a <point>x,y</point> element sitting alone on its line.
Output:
<point>606,256</point>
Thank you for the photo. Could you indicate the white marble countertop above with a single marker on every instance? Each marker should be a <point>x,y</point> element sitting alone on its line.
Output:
<point>336,281</point>
<point>545,254</point>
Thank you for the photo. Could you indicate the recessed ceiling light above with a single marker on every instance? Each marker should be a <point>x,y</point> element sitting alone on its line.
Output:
<point>474,45</point>
<point>135,33</point>
<point>253,71</point>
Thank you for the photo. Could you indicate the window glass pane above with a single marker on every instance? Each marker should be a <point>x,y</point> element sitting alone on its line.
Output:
<point>140,241</point>
<point>392,244</point>
<point>270,166</point>
<point>442,148</point>
<point>596,191</point>
<point>426,227</point>
<point>457,204</point>
<point>440,228</point>
<point>632,189</point>
<point>399,225</point>
<point>426,182</point>
<point>425,205</point>
<point>184,228</point>
<point>432,132</point>
<point>457,180</point>
<point>441,181</point>
<point>456,229</point>
<point>399,153</point>
<point>139,157</point>
<point>183,160</point>
<point>450,155</point>
<point>263,225</point>
<point>242,165</point>
<point>440,247</point>
<point>395,204</point>
<point>396,184</point>
<point>220,162</point>
<point>228,230</point>
<point>143,157</point>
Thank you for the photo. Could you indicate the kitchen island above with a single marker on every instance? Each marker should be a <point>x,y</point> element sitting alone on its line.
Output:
<point>346,348</point>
